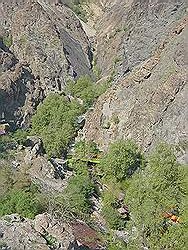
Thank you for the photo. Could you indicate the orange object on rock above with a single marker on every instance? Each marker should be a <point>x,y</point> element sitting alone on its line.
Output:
<point>178,220</point>
<point>167,215</point>
<point>173,218</point>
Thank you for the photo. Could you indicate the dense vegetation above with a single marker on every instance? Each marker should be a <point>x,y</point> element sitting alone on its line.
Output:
<point>18,194</point>
<point>76,198</point>
<point>153,192</point>
<point>56,120</point>
<point>152,185</point>
<point>123,159</point>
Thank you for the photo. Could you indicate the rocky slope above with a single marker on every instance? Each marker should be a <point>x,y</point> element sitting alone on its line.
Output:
<point>130,31</point>
<point>45,233</point>
<point>50,41</point>
<point>140,45</point>
<point>148,103</point>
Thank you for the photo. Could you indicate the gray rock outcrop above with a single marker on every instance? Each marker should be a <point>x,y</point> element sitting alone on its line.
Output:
<point>150,104</point>
<point>42,45</point>
<point>44,233</point>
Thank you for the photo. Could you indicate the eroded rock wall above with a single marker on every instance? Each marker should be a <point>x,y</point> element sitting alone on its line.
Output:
<point>150,104</point>
<point>50,40</point>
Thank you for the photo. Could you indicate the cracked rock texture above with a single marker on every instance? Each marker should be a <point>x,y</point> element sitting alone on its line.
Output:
<point>46,46</point>
<point>129,32</point>
<point>26,234</point>
<point>143,44</point>
<point>150,104</point>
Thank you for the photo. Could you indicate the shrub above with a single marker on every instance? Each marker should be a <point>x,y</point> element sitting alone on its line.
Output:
<point>113,218</point>
<point>6,180</point>
<point>18,194</point>
<point>82,14</point>
<point>86,90</point>
<point>152,192</point>
<point>122,160</point>
<point>76,197</point>
<point>110,212</point>
<point>24,202</point>
<point>55,122</point>
<point>86,149</point>
<point>97,71</point>
<point>20,136</point>
<point>76,6</point>
<point>80,167</point>
<point>7,40</point>
<point>6,144</point>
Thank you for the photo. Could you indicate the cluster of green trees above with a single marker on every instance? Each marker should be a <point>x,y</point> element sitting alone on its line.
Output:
<point>55,122</point>
<point>17,193</point>
<point>159,188</point>
<point>153,185</point>
<point>75,200</point>
<point>56,119</point>
<point>86,90</point>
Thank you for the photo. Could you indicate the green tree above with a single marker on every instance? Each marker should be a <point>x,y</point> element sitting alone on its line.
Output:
<point>110,213</point>
<point>152,192</point>
<point>18,194</point>
<point>122,160</point>
<point>86,149</point>
<point>85,89</point>
<point>76,197</point>
<point>56,123</point>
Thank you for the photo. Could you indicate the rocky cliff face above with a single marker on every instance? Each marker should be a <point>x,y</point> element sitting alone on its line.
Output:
<point>141,45</point>
<point>45,233</point>
<point>50,40</point>
<point>148,102</point>
<point>19,92</point>
<point>20,233</point>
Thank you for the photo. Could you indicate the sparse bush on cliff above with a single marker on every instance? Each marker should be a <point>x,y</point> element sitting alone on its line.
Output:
<point>18,195</point>
<point>7,40</point>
